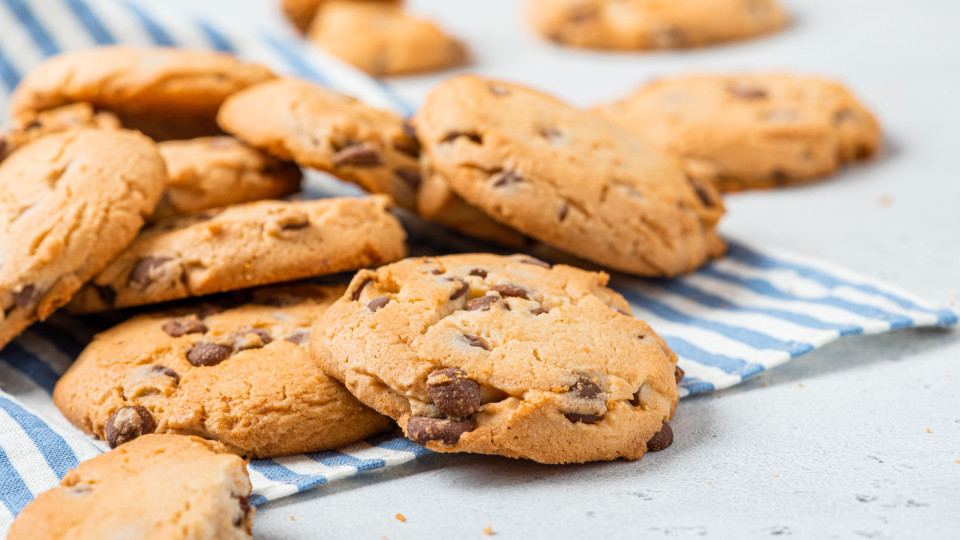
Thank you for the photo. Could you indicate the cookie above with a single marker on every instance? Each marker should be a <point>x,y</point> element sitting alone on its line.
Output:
<point>69,204</point>
<point>751,131</point>
<point>568,178</point>
<point>164,92</point>
<point>210,172</point>
<point>242,376</point>
<point>382,39</point>
<point>502,355</point>
<point>158,487</point>
<point>300,13</point>
<point>30,127</point>
<point>298,121</point>
<point>653,24</point>
<point>245,245</point>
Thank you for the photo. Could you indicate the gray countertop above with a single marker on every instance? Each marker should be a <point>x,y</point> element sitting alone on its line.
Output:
<point>860,439</point>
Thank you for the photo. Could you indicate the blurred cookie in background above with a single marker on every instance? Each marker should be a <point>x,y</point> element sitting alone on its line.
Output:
<point>300,13</point>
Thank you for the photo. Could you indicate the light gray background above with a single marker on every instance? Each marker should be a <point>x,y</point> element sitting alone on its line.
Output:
<point>835,443</point>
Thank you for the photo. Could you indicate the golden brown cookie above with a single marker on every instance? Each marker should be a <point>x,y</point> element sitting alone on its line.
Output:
<point>210,172</point>
<point>382,39</point>
<point>32,126</point>
<point>751,131</point>
<point>242,376</point>
<point>69,204</point>
<point>158,487</point>
<point>166,93</point>
<point>653,24</point>
<point>502,355</point>
<point>246,245</point>
<point>300,13</point>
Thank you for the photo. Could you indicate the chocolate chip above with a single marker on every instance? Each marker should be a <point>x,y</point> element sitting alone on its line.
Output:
<point>635,400</point>
<point>844,115</point>
<point>356,155</point>
<point>437,272</point>
<point>422,429</point>
<point>585,388</point>
<point>168,372</point>
<point>207,354</point>
<point>779,175</point>
<point>539,310</point>
<point>27,297</point>
<point>498,90</point>
<point>144,271</point>
<point>356,294</point>
<point>409,175</point>
<point>583,418</point>
<point>409,130</point>
<point>461,290</point>
<point>183,326</point>
<point>298,338</point>
<point>107,294</point>
<point>250,338</point>
<point>127,423</point>
<point>482,303</point>
<point>662,439</point>
<point>744,90</point>
<point>562,212</point>
<point>535,262</point>
<point>453,392</point>
<point>454,135</point>
<point>3,148</point>
<point>510,290</point>
<point>701,192</point>
<point>551,134</point>
<point>408,143</point>
<point>378,303</point>
<point>678,373</point>
<point>479,272</point>
<point>295,225</point>
<point>476,341</point>
<point>505,178</point>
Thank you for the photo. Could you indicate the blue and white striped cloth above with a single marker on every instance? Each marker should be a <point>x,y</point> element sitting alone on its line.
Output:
<point>751,311</point>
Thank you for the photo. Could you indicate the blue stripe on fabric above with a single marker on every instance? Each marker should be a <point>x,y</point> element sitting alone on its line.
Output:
<point>51,445</point>
<point>13,490</point>
<point>9,74</point>
<point>37,31</point>
<point>729,364</point>
<point>98,32</point>
<point>754,258</point>
<point>765,288</point>
<point>695,385</point>
<point>216,39</point>
<point>753,338</point>
<point>157,34</point>
<point>37,370</point>
<point>278,473</point>
<point>256,499</point>
<point>404,444</point>
<point>295,60</point>
<point>332,458</point>
<point>718,302</point>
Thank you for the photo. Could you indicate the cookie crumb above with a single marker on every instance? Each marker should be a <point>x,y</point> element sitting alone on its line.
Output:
<point>885,201</point>
<point>928,430</point>
<point>489,530</point>
<point>763,384</point>
<point>800,384</point>
<point>291,518</point>
<point>401,518</point>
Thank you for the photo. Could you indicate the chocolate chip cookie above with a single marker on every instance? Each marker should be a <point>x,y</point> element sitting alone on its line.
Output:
<point>69,203</point>
<point>299,121</point>
<point>502,355</point>
<point>159,487</point>
<point>568,178</point>
<point>653,24</point>
<point>300,13</point>
<point>210,172</point>
<point>382,39</point>
<point>32,126</point>
<point>164,92</point>
<point>242,376</point>
<point>751,131</point>
<point>243,246</point>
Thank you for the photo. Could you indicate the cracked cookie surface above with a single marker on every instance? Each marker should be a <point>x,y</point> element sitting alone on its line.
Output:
<point>246,245</point>
<point>30,127</point>
<point>568,178</point>
<point>158,487</point>
<point>653,24</point>
<point>69,203</point>
<point>242,376</point>
<point>315,127</point>
<point>502,355</point>
<point>753,130</point>
<point>166,93</point>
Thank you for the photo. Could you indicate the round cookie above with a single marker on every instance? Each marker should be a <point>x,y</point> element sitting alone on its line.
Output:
<point>653,24</point>
<point>242,376</point>
<point>246,245</point>
<point>69,203</point>
<point>568,178</point>
<point>751,131</point>
<point>158,487</point>
<point>300,13</point>
<point>299,121</point>
<point>502,355</point>
<point>381,39</point>
<point>164,92</point>
<point>210,172</point>
<point>30,127</point>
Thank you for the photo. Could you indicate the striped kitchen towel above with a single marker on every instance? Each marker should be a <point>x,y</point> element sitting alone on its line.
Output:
<point>750,311</point>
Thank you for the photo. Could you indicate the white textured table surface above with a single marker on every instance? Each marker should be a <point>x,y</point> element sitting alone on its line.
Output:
<point>861,439</point>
